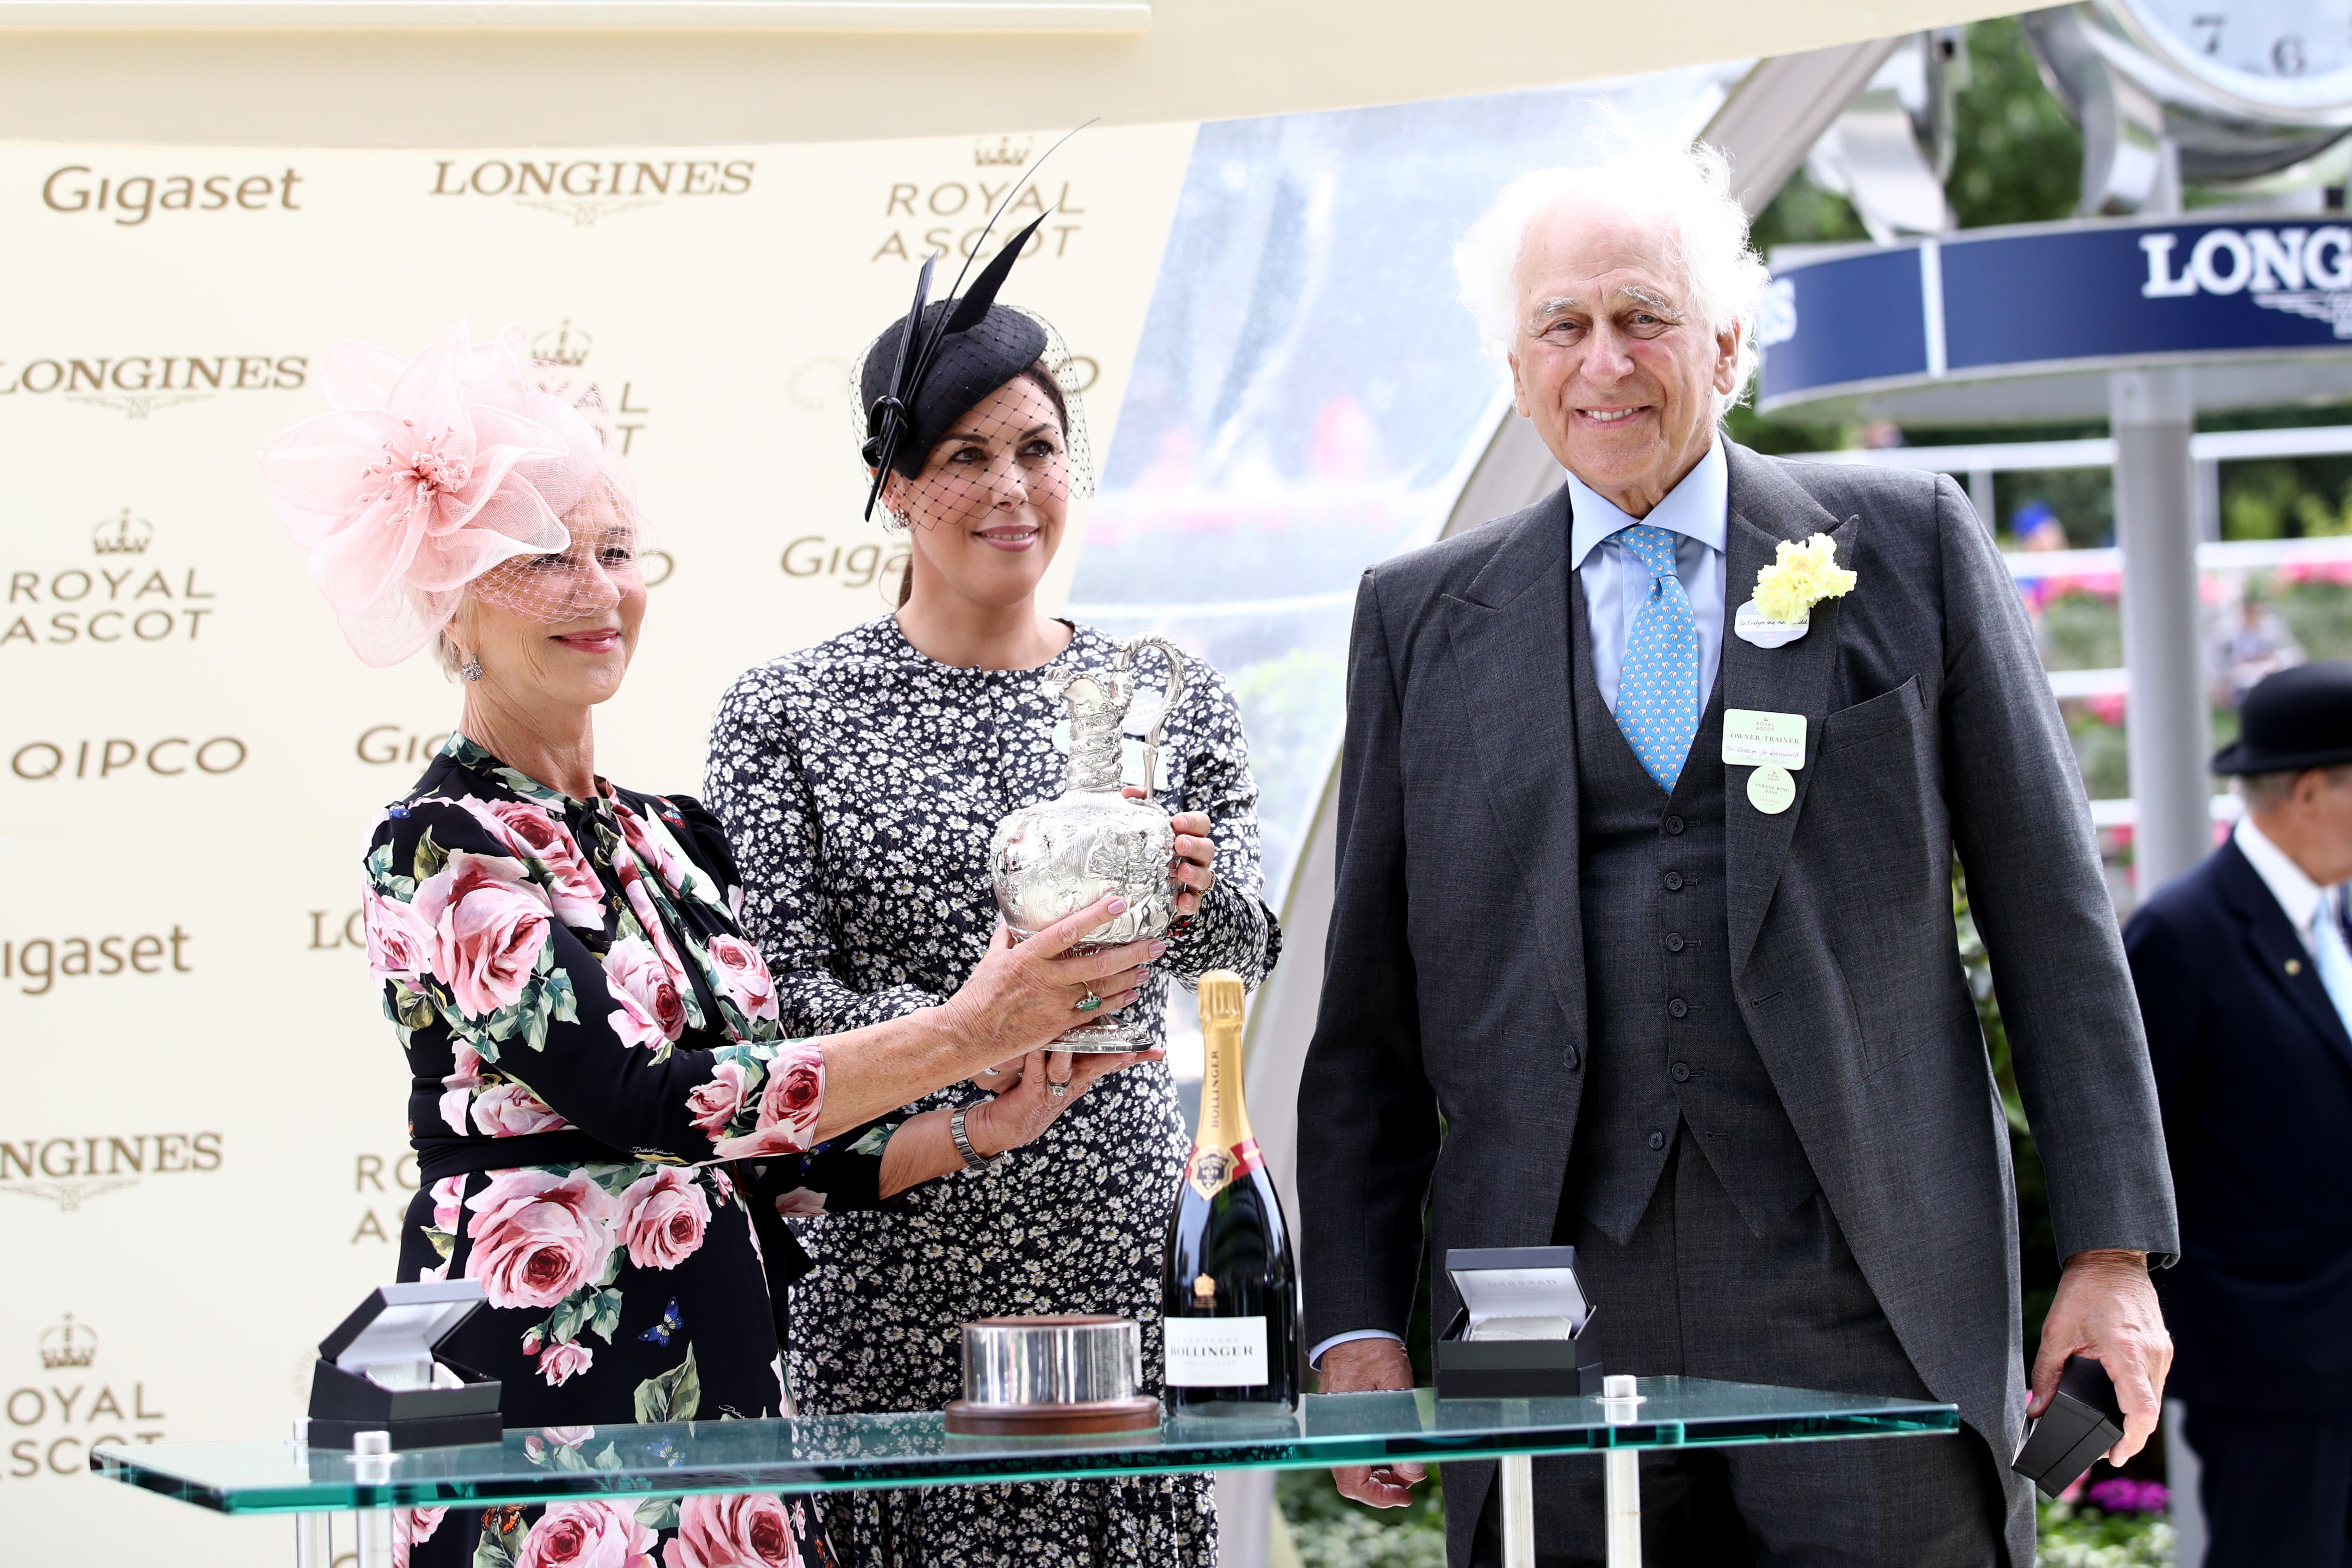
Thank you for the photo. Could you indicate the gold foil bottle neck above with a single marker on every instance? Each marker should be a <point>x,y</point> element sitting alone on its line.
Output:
<point>1220,997</point>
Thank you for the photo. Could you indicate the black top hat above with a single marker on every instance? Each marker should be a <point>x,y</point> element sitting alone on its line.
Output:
<point>2298,717</point>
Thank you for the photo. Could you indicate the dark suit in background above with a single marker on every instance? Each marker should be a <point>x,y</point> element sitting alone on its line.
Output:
<point>2254,1070</point>
<point>1457,990</point>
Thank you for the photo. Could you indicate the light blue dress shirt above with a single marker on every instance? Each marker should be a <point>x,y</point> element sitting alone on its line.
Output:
<point>1616,584</point>
<point>1616,581</point>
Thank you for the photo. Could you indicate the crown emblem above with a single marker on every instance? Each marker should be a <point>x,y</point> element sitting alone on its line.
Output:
<point>68,1344</point>
<point>1007,153</point>
<point>124,535</point>
<point>565,345</point>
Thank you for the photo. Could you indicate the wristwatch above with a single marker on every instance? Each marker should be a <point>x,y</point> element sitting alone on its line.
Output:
<point>973,1160</point>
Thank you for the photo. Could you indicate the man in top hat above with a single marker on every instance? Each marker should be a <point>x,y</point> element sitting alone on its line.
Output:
<point>2245,981</point>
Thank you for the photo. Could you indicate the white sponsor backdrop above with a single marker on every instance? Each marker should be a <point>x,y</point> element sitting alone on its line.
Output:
<point>202,1111</point>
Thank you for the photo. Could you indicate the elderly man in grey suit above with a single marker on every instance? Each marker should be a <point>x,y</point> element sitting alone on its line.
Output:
<point>1643,942</point>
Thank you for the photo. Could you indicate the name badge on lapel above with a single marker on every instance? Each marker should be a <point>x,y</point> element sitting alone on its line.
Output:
<point>1772,743</point>
<point>1753,625</point>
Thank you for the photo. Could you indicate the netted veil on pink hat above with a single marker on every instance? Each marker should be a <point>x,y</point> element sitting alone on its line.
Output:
<point>428,473</point>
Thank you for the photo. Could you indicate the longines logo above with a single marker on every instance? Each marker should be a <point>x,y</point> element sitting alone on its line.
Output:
<point>584,190</point>
<point>135,386</point>
<point>130,200</point>
<point>2302,271</point>
<point>968,203</point>
<point>68,1172</point>
<point>121,597</point>
<point>56,1425</point>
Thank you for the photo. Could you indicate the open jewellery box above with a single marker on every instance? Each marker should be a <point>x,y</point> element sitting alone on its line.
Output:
<point>1522,1330</point>
<point>381,1370</point>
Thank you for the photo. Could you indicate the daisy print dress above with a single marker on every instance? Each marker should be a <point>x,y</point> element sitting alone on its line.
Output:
<point>859,781</point>
<point>589,1034</point>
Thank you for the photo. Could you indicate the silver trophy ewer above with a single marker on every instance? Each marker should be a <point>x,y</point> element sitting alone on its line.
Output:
<point>1061,854</point>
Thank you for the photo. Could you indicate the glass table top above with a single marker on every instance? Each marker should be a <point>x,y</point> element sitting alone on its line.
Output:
<point>828,1452</point>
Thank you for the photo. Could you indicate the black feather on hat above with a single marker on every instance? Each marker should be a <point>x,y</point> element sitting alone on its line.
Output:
<point>918,383</point>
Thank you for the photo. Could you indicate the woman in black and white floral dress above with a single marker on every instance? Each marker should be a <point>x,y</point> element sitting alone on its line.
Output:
<point>859,781</point>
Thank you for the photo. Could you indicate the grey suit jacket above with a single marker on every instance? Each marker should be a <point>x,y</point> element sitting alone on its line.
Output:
<point>1454,993</point>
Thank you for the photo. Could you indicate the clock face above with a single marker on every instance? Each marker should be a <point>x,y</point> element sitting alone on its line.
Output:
<point>2277,58</point>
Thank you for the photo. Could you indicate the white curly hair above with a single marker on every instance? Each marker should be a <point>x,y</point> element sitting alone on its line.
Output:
<point>1690,186</point>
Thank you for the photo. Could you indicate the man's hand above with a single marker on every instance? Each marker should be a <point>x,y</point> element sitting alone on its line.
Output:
<point>2107,1309</point>
<point>1362,1366</point>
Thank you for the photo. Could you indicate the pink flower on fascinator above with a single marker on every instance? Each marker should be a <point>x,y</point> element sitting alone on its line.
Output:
<point>427,474</point>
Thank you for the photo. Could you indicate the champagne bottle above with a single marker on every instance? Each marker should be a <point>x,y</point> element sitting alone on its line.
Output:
<point>1229,1295</point>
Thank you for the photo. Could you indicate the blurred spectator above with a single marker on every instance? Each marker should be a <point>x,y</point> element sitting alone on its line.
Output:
<point>2257,645</point>
<point>1878,437</point>
<point>2243,968</point>
<point>2037,527</point>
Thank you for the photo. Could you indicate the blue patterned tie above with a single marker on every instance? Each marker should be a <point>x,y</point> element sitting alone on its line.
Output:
<point>1657,688</point>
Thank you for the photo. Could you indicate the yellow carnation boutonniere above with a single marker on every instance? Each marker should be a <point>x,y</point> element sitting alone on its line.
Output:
<point>1803,576</point>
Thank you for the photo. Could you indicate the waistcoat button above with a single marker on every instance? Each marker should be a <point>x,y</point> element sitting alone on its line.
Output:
<point>1673,941</point>
<point>1571,1057</point>
<point>1674,881</point>
<point>1678,1008</point>
<point>1682,1072</point>
<point>1673,825</point>
<point>1657,1140</point>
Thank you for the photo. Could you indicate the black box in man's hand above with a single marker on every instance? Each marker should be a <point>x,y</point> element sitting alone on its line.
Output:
<point>1524,1328</point>
<point>2083,1421</point>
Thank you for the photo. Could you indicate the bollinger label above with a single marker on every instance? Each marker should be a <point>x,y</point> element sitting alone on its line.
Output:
<point>1212,1168</point>
<point>1216,1352</point>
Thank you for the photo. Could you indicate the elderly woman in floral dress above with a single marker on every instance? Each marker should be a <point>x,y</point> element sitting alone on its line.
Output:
<point>591,1037</point>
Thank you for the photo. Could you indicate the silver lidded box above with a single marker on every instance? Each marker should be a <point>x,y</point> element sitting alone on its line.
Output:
<point>1052,1373</point>
<point>1050,860</point>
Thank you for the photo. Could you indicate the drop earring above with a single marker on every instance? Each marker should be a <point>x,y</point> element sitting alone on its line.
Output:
<point>471,669</point>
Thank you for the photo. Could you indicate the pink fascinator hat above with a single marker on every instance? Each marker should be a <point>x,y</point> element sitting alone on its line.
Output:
<point>428,473</point>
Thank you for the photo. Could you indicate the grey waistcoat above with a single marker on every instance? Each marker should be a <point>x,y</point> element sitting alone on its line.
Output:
<point>1666,1040</point>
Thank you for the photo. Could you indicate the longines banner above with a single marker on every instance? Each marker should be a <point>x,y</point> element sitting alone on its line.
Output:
<point>203,1149</point>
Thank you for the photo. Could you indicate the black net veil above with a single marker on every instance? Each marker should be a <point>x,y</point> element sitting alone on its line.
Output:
<point>997,421</point>
<point>598,507</point>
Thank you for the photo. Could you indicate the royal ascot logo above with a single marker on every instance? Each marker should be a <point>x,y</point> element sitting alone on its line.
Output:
<point>586,190</point>
<point>69,1172</point>
<point>135,386</point>
<point>57,1418</point>
<point>122,597</point>
<point>394,1177</point>
<point>967,204</point>
<point>2303,271</point>
<point>1003,153</point>
<point>570,346</point>
<point>129,200</point>
<point>68,1344</point>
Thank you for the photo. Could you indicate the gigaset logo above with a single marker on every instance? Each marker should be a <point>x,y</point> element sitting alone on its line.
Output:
<point>132,199</point>
<point>2303,271</point>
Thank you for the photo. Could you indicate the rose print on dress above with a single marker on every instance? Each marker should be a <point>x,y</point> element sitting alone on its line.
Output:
<point>586,1535</point>
<point>750,1530</point>
<point>663,1217</point>
<point>538,1236</point>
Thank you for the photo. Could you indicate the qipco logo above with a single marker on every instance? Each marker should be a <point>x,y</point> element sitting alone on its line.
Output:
<point>174,756</point>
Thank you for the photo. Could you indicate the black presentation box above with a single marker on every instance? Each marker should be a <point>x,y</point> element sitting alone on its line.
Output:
<point>1523,1327</point>
<point>381,1370</point>
<point>2083,1421</point>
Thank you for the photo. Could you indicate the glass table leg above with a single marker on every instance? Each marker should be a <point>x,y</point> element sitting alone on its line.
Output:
<point>1518,1512</point>
<point>310,1548</point>
<point>373,1462</point>
<point>1623,1480</point>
